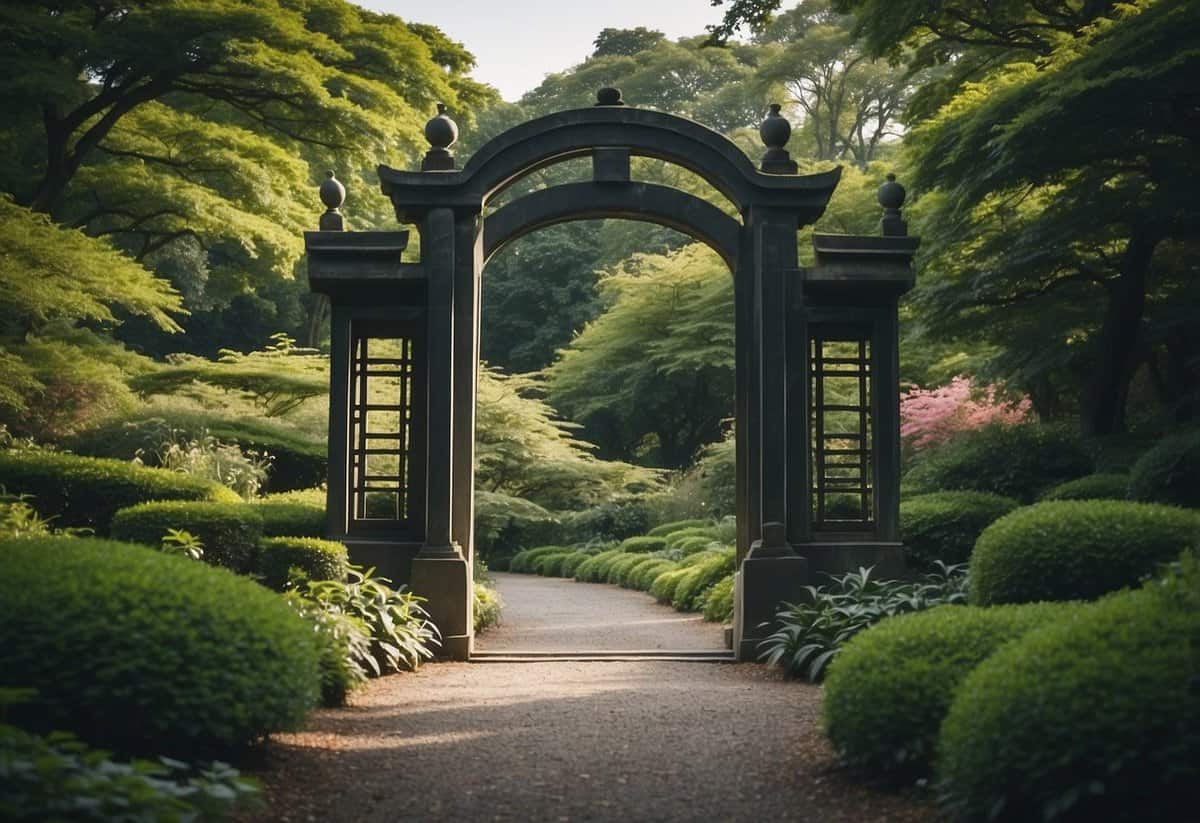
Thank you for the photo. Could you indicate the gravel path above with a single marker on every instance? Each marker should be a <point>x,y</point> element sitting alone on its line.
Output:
<point>613,741</point>
<point>551,614</point>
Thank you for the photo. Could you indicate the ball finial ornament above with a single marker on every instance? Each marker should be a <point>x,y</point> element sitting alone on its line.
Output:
<point>891,194</point>
<point>609,96</point>
<point>441,131</point>
<point>333,193</point>
<point>775,132</point>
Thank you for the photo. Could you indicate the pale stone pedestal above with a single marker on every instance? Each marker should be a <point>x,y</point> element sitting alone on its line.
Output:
<point>445,583</point>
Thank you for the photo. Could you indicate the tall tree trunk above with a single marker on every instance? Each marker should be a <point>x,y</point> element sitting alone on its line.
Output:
<point>1116,359</point>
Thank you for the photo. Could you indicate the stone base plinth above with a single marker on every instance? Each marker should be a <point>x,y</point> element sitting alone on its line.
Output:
<point>445,583</point>
<point>759,589</point>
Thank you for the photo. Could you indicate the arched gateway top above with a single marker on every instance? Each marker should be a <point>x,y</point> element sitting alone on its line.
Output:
<point>626,131</point>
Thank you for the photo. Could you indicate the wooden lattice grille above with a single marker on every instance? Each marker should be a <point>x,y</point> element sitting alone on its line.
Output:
<point>842,467</point>
<point>382,378</point>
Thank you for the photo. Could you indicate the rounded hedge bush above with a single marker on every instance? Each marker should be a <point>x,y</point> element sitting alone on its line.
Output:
<point>1075,549</point>
<point>691,545</point>
<point>944,525</point>
<point>285,518</point>
<point>550,565</point>
<point>589,570</point>
<point>890,687</point>
<point>674,539</point>
<point>229,532</point>
<point>317,559</point>
<point>628,577</point>
<point>621,565</point>
<point>644,544</point>
<point>643,578</point>
<point>718,603</point>
<point>522,562</point>
<point>663,587</point>
<point>1013,461</point>
<point>147,652</point>
<point>572,562</point>
<point>605,564</point>
<point>677,525</point>
<point>1091,718</point>
<point>88,491</point>
<point>1091,487</point>
<point>1169,472</point>
<point>696,583</point>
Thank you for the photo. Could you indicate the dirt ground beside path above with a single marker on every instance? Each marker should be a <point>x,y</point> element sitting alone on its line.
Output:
<point>600,741</point>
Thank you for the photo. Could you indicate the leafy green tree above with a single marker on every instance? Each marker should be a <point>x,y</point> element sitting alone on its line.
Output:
<point>626,41</point>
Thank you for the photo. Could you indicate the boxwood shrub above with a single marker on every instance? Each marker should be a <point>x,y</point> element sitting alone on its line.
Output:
<point>718,603</point>
<point>1075,549</point>
<point>230,532</point>
<point>644,544</point>
<point>674,539</point>
<point>619,566</point>
<point>589,570</point>
<point>147,652</point>
<point>1091,487</point>
<point>663,587</point>
<point>605,564</point>
<point>522,562</point>
<point>1169,472</point>
<point>292,514</point>
<point>888,690</point>
<point>1013,461</point>
<point>572,562</point>
<point>316,559</point>
<point>644,576</point>
<point>550,565</point>
<point>628,577</point>
<point>944,525</point>
<point>691,588</point>
<point>691,545</point>
<point>87,491</point>
<point>677,525</point>
<point>1091,718</point>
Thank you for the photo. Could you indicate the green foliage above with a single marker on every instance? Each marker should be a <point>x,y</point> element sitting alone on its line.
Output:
<point>59,778</point>
<point>622,566</point>
<point>676,539</point>
<point>944,525</point>
<point>1169,472</point>
<point>678,525</point>
<point>706,489</point>
<point>888,690</point>
<point>209,459</point>
<point>691,545</point>
<point>1075,549</point>
<point>1043,730</point>
<point>285,515</point>
<point>486,607</point>
<point>571,563</point>
<point>150,653</point>
<point>589,571</point>
<point>182,542</point>
<point>663,587</point>
<point>504,523</point>
<point>643,577</point>
<point>644,544</point>
<point>87,492</point>
<point>1090,487</point>
<point>812,633</point>
<point>608,521</point>
<point>522,562</point>
<point>718,603</point>
<point>19,519</point>
<point>1014,461</point>
<point>550,565</point>
<point>229,532</point>
<point>344,641</point>
<point>692,587</point>
<point>315,559</point>
<point>605,561</point>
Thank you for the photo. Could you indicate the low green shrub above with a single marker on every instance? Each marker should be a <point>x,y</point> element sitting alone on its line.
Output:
<point>499,563</point>
<point>670,528</point>
<point>628,577</point>
<point>620,566</point>
<point>643,544</point>
<point>59,778</point>
<point>87,491</point>
<point>643,577</point>
<point>147,652</point>
<point>572,562</point>
<point>313,558</point>
<point>522,562</point>
<point>663,587</point>
<point>345,643</point>
<point>589,570</point>
<point>813,632</point>
<point>229,532</point>
<point>945,525</point>
<point>1013,461</point>
<point>691,588</point>
<point>674,539</point>
<point>606,563</point>
<point>718,603</point>
<point>1075,549</point>
<point>284,516</point>
<point>550,565</point>
<point>1169,472</point>
<point>888,690</point>
<point>608,521</point>
<point>1090,718</point>
<point>1091,487</point>
<point>486,606</point>
<point>691,545</point>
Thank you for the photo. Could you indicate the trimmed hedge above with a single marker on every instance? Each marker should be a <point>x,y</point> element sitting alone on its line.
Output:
<point>284,515</point>
<point>589,570</point>
<point>88,491</point>
<point>628,577</point>
<point>317,559</point>
<point>229,532</point>
<point>550,565</point>
<point>148,652</point>
<point>1091,718</point>
<point>1169,472</point>
<point>522,562</point>
<point>718,603</point>
<point>670,528</point>
<point>890,687</point>
<point>663,587</point>
<point>691,545</point>
<point>674,539</point>
<point>644,544</point>
<point>620,566</point>
<point>696,583</point>
<point>643,577</point>
<point>1075,549</point>
<point>1091,487</point>
<point>604,566</point>
<point>1013,461</point>
<point>945,525</point>
<point>572,562</point>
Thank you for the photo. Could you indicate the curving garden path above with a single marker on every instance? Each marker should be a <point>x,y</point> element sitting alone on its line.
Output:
<point>573,741</point>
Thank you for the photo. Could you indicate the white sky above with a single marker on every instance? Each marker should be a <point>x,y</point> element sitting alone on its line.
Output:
<point>518,42</point>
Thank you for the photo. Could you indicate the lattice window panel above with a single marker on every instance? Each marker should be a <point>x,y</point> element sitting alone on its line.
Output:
<point>842,460</point>
<point>382,375</point>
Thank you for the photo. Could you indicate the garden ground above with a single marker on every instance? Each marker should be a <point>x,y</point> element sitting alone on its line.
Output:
<point>645,740</point>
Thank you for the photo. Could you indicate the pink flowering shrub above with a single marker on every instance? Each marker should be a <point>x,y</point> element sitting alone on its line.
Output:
<point>932,416</point>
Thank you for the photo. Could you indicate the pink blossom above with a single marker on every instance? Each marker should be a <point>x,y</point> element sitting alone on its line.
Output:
<point>930,416</point>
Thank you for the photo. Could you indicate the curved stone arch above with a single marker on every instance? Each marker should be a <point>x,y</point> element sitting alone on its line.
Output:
<point>632,201</point>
